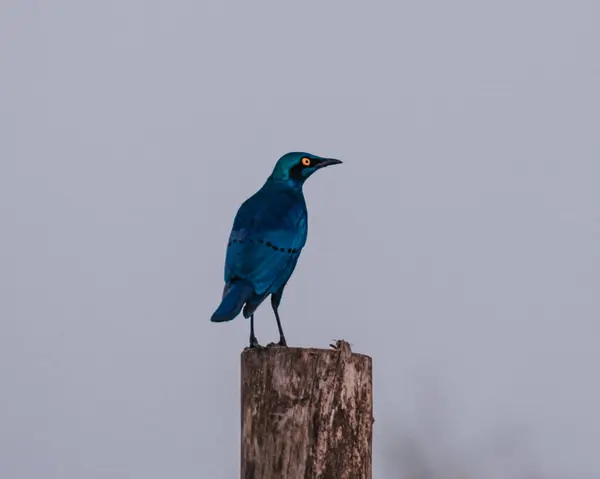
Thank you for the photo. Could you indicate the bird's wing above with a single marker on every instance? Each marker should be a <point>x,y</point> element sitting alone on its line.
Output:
<point>267,237</point>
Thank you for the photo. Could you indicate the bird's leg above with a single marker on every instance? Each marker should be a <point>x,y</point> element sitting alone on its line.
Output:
<point>253,340</point>
<point>275,300</point>
<point>282,341</point>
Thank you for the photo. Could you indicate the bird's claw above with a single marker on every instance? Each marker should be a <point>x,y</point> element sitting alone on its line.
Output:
<point>254,344</point>
<point>256,347</point>
<point>281,344</point>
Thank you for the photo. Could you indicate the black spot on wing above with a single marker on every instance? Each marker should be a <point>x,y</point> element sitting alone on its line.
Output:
<point>268,244</point>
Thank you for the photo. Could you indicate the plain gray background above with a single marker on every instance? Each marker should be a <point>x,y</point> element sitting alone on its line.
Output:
<point>458,244</point>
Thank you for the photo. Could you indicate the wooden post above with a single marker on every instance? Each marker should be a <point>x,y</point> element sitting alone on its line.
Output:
<point>306,413</point>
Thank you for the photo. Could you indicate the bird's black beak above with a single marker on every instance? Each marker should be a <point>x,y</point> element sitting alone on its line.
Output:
<point>327,162</point>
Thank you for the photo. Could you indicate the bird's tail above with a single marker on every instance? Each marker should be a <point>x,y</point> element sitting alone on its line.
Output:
<point>235,295</point>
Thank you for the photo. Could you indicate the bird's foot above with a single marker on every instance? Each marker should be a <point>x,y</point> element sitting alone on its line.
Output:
<point>254,344</point>
<point>255,347</point>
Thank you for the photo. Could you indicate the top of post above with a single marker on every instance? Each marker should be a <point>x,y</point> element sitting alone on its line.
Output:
<point>339,346</point>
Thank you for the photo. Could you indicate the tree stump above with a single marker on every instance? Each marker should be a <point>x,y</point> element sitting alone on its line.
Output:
<point>306,413</point>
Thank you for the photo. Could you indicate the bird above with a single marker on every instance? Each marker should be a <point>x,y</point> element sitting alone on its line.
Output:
<point>266,240</point>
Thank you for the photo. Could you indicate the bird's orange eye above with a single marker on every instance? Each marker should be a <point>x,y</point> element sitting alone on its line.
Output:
<point>306,161</point>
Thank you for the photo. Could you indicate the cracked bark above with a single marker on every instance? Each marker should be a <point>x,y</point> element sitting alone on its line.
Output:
<point>306,413</point>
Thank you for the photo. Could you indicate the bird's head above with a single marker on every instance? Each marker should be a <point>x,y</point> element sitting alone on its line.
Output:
<point>297,166</point>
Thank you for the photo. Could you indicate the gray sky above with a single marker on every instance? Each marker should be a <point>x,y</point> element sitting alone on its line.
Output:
<point>458,243</point>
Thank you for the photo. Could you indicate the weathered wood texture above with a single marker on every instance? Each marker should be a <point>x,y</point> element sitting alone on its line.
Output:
<point>306,413</point>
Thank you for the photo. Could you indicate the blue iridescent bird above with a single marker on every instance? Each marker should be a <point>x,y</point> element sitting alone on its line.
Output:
<point>268,234</point>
